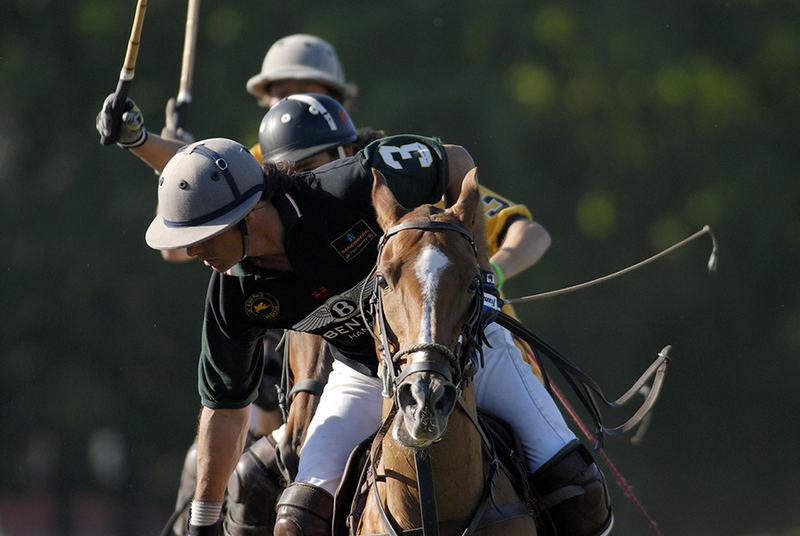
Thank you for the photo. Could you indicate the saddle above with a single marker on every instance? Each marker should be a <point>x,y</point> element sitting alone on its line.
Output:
<point>351,494</point>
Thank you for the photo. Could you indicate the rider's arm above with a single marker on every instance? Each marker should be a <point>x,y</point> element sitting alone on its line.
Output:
<point>459,162</point>
<point>156,151</point>
<point>524,244</point>
<point>221,439</point>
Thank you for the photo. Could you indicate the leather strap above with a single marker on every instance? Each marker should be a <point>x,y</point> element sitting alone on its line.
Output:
<point>585,387</point>
<point>306,385</point>
<point>427,492</point>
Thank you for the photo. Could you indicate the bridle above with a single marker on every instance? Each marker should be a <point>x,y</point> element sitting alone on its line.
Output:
<point>462,358</point>
<point>581,384</point>
<point>463,361</point>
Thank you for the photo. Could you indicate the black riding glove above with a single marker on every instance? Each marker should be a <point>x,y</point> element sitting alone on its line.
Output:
<point>131,131</point>
<point>172,118</point>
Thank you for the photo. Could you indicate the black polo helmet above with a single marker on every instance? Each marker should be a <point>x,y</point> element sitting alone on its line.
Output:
<point>303,125</point>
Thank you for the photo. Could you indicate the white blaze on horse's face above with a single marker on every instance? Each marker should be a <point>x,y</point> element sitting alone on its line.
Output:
<point>430,264</point>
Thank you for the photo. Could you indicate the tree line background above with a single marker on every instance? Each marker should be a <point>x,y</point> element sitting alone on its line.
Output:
<point>624,127</point>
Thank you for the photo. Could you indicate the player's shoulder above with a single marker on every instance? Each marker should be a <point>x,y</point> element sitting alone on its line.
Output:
<point>403,151</point>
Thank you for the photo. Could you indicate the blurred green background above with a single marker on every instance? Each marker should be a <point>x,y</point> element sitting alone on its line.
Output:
<point>623,126</point>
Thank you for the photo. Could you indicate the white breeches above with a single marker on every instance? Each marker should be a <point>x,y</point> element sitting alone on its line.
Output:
<point>350,411</point>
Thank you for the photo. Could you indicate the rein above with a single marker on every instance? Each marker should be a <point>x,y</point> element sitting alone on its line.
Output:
<point>584,386</point>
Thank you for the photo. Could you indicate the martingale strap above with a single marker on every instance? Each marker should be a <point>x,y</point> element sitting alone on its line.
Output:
<point>584,386</point>
<point>427,492</point>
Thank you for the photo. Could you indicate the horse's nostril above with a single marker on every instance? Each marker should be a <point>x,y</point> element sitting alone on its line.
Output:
<point>445,403</point>
<point>405,397</point>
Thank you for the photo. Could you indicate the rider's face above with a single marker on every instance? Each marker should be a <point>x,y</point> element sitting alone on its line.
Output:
<point>283,88</point>
<point>220,252</point>
<point>313,162</point>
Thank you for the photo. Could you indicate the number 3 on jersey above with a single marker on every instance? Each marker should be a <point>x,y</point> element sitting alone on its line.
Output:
<point>392,154</point>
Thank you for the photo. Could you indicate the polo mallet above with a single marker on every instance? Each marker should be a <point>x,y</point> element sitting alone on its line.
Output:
<point>187,68</point>
<point>125,75</point>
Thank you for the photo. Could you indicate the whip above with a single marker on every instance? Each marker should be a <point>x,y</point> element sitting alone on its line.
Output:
<point>712,266</point>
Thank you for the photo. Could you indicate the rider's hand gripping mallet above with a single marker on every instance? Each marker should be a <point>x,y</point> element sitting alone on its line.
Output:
<point>187,66</point>
<point>125,75</point>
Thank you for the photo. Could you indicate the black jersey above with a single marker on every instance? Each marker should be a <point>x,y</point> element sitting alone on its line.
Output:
<point>331,236</point>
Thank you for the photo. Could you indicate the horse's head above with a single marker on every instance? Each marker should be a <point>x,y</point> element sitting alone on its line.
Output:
<point>428,283</point>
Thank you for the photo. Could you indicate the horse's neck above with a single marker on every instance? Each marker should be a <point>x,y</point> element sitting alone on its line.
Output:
<point>458,470</point>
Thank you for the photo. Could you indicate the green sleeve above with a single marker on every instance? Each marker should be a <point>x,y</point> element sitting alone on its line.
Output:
<point>415,167</point>
<point>231,358</point>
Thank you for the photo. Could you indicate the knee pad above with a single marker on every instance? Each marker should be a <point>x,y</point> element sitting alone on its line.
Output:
<point>304,510</point>
<point>253,490</point>
<point>572,496</point>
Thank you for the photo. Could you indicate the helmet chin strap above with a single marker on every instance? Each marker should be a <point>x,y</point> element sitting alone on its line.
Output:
<point>245,238</point>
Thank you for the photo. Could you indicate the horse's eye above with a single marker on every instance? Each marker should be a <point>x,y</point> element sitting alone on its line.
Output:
<point>382,283</point>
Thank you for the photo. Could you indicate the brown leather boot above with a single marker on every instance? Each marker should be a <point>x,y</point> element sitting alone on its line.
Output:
<point>253,491</point>
<point>304,510</point>
<point>573,498</point>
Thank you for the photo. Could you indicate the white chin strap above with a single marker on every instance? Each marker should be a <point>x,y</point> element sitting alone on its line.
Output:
<point>342,153</point>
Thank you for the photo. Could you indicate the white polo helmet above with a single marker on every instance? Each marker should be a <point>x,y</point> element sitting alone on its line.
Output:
<point>301,57</point>
<point>205,189</point>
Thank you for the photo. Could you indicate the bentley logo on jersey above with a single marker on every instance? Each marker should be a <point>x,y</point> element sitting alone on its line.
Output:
<point>261,306</point>
<point>353,242</point>
<point>339,315</point>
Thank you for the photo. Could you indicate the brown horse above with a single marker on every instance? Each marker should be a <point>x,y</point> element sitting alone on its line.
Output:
<point>428,291</point>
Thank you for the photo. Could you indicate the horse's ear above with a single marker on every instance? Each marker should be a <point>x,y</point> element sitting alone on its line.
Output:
<point>466,208</point>
<point>388,210</point>
<point>469,210</point>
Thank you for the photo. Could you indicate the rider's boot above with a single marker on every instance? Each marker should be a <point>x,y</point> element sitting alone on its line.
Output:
<point>572,495</point>
<point>304,510</point>
<point>253,490</point>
